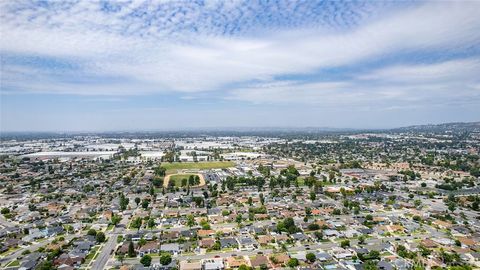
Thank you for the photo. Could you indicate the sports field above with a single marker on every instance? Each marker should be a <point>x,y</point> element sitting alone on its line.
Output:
<point>177,178</point>
<point>173,167</point>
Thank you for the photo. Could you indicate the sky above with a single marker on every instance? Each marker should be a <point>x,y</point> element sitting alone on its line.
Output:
<point>168,65</point>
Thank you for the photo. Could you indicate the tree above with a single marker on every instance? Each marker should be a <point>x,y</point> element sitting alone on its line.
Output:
<point>293,262</point>
<point>92,232</point>
<point>361,239</point>
<point>151,223</point>
<point>239,219</point>
<point>137,201</point>
<point>370,265</point>
<point>374,255</point>
<point>120,258</point>
<point>142,242</point>
<point>217,245</point>
<point>123,202</point>
<point>190,221</point>
<point>160,171</point>
<point>100,237</point>
<point>157,181</point>
<point>345,243</point>
<point>196,180</point>
<point>313,227</point>
<point>165,259</point>
<point>417,203</point>
<point>205,225</point>
<point>243,267</point>
<point>46,265</point>
<point>262,199</point>
<point>115,219</point>
<point>145,204</point>
<point>191,180</point>
<point>146,260</point>
<point>131,250</point>
<point>311,257</point>
<point>475,206</point>
<point>287,225</point>
<point>451,206</point>
<point>313,196</point>
<point>137,223</point>
<point>308,211</point>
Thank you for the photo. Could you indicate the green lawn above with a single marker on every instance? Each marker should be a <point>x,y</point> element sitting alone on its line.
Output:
<point>173,167</point>
<point>177,178</point>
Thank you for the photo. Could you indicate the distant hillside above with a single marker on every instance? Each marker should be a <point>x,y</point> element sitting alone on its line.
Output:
<point>455,127</point>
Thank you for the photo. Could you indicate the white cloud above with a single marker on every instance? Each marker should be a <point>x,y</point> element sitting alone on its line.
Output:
<point>203,63</point>
<point>448,71</point>
<point>445,83</point>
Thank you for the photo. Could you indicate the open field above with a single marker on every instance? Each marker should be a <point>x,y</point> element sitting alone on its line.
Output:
<point>173,167</point>
<point>178,179</point>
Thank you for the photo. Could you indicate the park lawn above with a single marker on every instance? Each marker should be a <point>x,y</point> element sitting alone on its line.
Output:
<point>173,167</point>
<point>177,178</point>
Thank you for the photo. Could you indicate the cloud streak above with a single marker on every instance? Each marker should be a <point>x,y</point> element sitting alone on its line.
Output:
<point>365,56</point>
<point>203,62</point>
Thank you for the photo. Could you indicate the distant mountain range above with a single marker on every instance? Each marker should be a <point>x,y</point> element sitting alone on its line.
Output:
<point>456,126</point>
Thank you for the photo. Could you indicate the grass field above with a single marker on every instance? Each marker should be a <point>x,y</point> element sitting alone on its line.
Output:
<point>173,167</point>
<point>177,178</point>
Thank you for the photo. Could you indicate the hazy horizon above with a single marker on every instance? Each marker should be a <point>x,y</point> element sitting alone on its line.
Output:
<point>235,129</point>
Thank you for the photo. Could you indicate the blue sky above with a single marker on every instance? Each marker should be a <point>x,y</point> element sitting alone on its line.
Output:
<point>163,65</point>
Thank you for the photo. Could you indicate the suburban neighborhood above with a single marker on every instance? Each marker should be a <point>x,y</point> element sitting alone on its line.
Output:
<point>402,199</point>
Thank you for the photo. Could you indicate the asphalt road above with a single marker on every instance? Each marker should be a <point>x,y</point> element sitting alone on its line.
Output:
<point>109,247</point>
<point>106,252</point>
